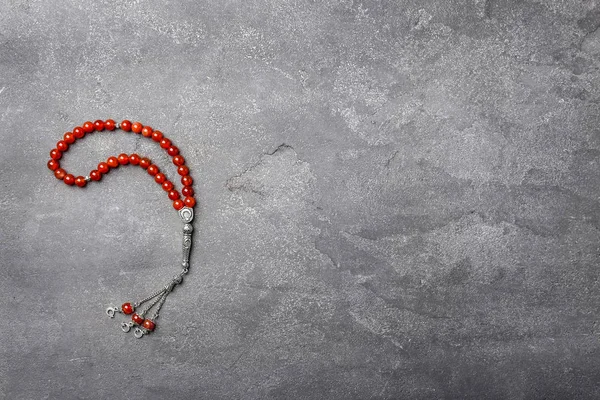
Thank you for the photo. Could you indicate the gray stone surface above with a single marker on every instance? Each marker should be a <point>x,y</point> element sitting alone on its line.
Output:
<point>398,199</point>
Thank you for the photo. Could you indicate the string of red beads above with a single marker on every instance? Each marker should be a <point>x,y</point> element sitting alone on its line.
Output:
<point>179,201</point>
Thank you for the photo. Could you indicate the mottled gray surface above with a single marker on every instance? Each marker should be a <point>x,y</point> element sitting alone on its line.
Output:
<point>397,199</point>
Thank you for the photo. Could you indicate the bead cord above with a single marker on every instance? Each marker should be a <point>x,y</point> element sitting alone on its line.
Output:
<point>104,167</point>
<point>183,202</point>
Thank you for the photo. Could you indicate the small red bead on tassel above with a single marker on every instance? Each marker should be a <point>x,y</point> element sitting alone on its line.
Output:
<point>149,325</point>
<point>127,308</point>
<point>137,319</point>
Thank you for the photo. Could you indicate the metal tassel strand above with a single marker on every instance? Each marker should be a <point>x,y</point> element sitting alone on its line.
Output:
<point>146,324</point>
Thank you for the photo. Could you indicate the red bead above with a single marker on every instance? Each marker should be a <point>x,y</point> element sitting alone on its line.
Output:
<point>53,165</point>
<point>189,202</point>
<point>147,131</point>
<point>165,143</point>
<point>127,308</point>
<point>95,175</point>
<point>110,124</point>
<point>134,159</point>
<point>187,191</point>
<point>178,205</point>
<point>61,145</point>
<point>144,162</point>
<point>157,136</point>
<point>160,177</point>
<point>78,132</point>
<point>113,162</point>
<point>183,170</point>
<point>152,169</point>
<point>126,125</point>
<point>167,185</point>
<point>60,173</point>
<point>137,319</point>
<point>173,194</point>
<point>99,125</point>
<point>88,127</point>
<point>103,168</point>
<point>173,151</point>
<point>149,325</point>
<point>136,127</point>
<point>55,154</point>
<point>69,179</point>
<point>123,159</point>
<point>187,180</point>
<point>69,138</point>
<point>80,181</point>
<point>178,160</point>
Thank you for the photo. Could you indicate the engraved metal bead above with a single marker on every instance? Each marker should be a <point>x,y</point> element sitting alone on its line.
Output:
<point>186,214</point>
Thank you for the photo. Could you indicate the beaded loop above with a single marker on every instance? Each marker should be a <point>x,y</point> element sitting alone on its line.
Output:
<point>185,199</point>
<point>183,202</point>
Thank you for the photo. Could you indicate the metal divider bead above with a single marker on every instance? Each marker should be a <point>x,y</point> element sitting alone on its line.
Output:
<point>186,214</point>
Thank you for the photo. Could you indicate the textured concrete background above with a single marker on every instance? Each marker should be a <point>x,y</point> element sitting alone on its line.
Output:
<point>397,199</point>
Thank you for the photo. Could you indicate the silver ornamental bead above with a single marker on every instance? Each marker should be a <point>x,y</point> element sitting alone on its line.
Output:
<point>187,243</point>
<point>87,178</point>
<point>186,214</point>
